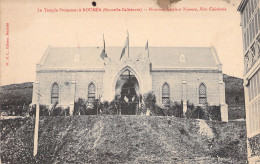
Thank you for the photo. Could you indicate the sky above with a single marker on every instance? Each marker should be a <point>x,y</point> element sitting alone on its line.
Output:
<point>30,32</point>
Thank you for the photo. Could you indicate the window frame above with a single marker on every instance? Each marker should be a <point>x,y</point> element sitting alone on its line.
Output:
<point>91,95</point>
<point>202,96</point>
<point>165,95</point>
<point>55,95</point>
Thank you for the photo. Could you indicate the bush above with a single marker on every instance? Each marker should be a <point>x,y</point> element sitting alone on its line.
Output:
<point>236,112</point>
<point>150,100</point>
<point>190,110</point>
<point>169,109</point>
<point>158,111</point>
<point>14,110</point>
<point>84,107</point>
<point>174,109</point>
<point>111,108</point>
<point>150,105</point>
<point>44,110</point>
<point>79,107</point>
<point>214,112</point>
<point>57,111</point>
<point>66,112</point>
<point>203,112</point>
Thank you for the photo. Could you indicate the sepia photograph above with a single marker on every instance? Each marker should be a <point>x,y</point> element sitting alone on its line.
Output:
<point>134,81</point>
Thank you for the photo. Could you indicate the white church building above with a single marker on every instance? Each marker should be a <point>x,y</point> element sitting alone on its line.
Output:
<point>192,74</point>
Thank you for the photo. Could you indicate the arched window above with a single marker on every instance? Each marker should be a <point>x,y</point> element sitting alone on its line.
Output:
<point>91,92</point>
<point>165,93</point>
<point>202,94</point>
<point>55,93</point>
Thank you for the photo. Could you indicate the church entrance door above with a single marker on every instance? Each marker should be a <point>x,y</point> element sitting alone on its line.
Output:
<point>127,93</point>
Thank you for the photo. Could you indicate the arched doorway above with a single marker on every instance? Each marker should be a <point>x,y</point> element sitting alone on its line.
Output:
<point>127,93</point>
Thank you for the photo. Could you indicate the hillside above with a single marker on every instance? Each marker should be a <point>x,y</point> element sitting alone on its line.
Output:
<point>123,139</point>
<point>16,95</point>
<point>234,97</point>
<point>234,90</point>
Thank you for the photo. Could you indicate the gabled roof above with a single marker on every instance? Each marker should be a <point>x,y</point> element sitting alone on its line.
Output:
<point>160,57</point>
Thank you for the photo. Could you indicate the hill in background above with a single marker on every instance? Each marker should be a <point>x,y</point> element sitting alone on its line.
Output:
<point>16,94</point>
<point>235,97</point>
<point>234,90</point>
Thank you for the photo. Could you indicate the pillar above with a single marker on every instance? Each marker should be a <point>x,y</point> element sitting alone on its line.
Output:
<point>184,96</point>
<point>37,117</point>
<point>72,94</point>
<point>223,105</point>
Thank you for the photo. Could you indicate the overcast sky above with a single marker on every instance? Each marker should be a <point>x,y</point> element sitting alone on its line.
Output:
<point>30,31</point>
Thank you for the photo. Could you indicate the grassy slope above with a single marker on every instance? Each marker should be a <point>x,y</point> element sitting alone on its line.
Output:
<point>123,139</point>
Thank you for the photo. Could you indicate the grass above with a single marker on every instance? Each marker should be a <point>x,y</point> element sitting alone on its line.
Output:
<point>123,139</point>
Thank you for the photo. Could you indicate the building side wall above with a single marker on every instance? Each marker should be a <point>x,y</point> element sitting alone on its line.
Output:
<point>65,82</point>
<point>193,80</point>
<point>84,79</point>
<point>173,79</point>
<point>46,80</point>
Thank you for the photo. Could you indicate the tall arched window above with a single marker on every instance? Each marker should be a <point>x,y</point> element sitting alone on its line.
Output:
<point>165,93</point>
<point>91,92</point>
<point>55,93</point>
<point>202,94</point>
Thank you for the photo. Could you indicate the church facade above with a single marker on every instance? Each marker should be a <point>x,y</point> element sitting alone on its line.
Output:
<point>192,74</point>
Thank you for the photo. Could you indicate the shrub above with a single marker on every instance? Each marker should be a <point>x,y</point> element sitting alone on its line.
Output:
<point>142,110</point>
<point>205,112</point>
<point>150,100</point>
<point>79,107</point>
<point>84,107</point>
<point>57,111</point>
<point>157,111</point>
<point>44,110</point>
<point>111,108</point>
<point>15,110</point>
<point>214,112</point>
<point>91,107</point>
<point>198,113</point>
<point>66,112</point>
<point>190,110</point>
<point>236,112</point>
<point>174,109</point>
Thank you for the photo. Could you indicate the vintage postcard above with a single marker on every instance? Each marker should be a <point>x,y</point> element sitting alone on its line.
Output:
<point>151,81</point>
